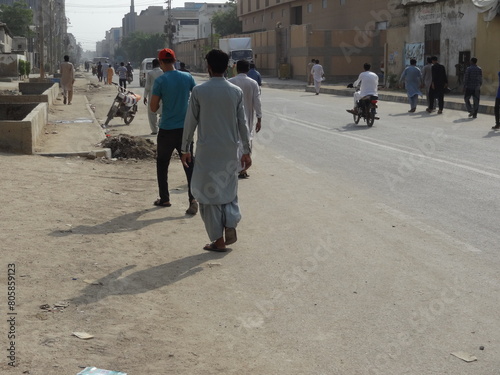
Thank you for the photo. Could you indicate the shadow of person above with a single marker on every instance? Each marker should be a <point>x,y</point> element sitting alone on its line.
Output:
<point>124,223</point>
<point>145,280</point>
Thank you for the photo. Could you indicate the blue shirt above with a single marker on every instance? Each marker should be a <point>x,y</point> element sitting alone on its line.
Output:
<point>255,75</point>
<point>173,88</point>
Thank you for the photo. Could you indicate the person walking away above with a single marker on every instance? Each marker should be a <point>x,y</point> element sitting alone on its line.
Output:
<point>105,73</point>
<point>497,106</point>
<point>473,79</point>
<point>130,72</point>
<point>412,79</point>
<point>150,79</point>
<point>255,75</point>
<point>183,67</point>
<point>122,75</point>
<point>427,79</point>
<point>99,71</point>
<point>368,82</point>
<point>111,72</point>
<point>219,129</point>
<point>318,76</point>
<point>310,65</point>
<point>251,101</point>
<point>67,79</point>
<point>438,85</point>
<point>173,89</point>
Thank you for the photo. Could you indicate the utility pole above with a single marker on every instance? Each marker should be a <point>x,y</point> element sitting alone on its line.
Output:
<point>41,40</point>
<point>169,25</point>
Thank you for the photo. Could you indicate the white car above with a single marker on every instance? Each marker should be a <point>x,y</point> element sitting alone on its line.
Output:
<point>146,66</point>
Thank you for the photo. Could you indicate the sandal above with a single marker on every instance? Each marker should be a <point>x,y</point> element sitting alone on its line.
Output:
<point>161,203</point>
<point>213,247</point>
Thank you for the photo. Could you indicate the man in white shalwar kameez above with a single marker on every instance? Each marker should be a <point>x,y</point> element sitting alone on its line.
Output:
<point>216,110</point>
<point>318,76</point>
<point>67,79</point>
<point>252,104</point>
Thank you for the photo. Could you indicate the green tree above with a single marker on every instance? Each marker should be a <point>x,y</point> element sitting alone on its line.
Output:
<point>140,45</point>
<point>227,22</point>
<point>18,18</point>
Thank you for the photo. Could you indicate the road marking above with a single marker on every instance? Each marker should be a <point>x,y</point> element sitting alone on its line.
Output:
<point>426,228</point>
<point>391,148</point>
<point>298,166</point>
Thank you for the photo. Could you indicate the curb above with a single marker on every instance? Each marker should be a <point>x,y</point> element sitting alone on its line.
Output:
<point>94,154</point>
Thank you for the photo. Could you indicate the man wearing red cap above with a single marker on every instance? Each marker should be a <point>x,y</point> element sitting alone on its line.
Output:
<point>220,128</point>
<point>172,89</point>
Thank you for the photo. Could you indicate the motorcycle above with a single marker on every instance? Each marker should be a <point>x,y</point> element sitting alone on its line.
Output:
<point>124,105</point>
<point>366,109</point>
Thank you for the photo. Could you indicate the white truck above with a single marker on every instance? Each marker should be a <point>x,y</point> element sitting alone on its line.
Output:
<point>237,49</point>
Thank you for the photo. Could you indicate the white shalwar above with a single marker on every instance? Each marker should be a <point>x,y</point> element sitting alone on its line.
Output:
<point>317,73</point>
<point>148,87</point>
<point>216,111</point>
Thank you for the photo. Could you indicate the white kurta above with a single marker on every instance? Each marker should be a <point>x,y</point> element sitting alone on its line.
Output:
<point>251,99</point>
<point>216,110</point>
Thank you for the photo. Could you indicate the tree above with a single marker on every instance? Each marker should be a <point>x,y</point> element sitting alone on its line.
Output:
<point>227,22</point>
<point>18,18</point>
<point>140,45</point>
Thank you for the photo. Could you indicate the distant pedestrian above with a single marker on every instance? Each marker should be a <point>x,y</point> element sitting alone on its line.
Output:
<point>130,72</point>
<point>183,68</point>
<point>318,76</point>
<point>473,79</point>
<point>122,75</point>
<point>216,109</point>
<point>438,85</point>
<point>111,72</point>
<point>67,79</point>
<point>497,106</point>
<point>148,88</point>
<point>251,101</point>
<point>427,79</point>
<point>412,79</point>
<point>99,71</point>
<point>310,80</point>
<point>255,75</point>
<point>105,73</point>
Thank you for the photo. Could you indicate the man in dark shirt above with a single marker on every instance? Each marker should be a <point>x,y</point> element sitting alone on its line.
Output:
<point>473,80</point>
<point>438,85</point>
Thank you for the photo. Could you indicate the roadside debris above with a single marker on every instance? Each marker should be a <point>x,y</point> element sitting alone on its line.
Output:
<point>464,356</point>
<point>83,335</point>
<point>98,371</point>
<point>127,147</point>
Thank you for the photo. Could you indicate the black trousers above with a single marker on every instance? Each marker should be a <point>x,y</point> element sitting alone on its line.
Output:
<point>497,111</point>
<point>123,82</point>
<point>167,142</point>
<point>474,93</point>
<point>437,93</point>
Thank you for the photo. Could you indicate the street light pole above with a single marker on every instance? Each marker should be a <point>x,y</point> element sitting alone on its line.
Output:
<point>41,41</point>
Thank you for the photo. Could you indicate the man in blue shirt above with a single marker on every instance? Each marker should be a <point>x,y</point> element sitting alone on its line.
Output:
<point>172,89</point>
<point>473,80</point>
<point>254,74</point>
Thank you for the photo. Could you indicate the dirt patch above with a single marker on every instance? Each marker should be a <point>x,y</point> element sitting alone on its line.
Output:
<point>130,147</point>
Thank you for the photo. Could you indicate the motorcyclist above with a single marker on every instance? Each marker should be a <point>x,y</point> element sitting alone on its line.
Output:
<point>369,85</point>
<point>130,71</point>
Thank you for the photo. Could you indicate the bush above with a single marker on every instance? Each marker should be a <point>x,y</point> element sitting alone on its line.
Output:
<point>27,67</point>
<point>22,68</point>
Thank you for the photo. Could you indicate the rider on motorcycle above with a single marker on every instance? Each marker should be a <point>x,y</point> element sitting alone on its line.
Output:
<point>369,86</point>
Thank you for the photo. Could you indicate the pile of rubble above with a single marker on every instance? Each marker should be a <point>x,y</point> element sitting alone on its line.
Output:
<point>125,146</point>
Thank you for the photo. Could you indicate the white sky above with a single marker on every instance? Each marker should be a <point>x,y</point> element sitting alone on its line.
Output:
<point>90,19</point>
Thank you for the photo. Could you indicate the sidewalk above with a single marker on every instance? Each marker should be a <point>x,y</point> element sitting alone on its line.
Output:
<point>452,101</point>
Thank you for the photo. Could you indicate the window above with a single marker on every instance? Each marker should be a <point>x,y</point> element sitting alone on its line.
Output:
<point>267,3</point>
<point>309,8</point>
<point>272,15</point>
<point>282,12</point>
<point>382,25</point>
<point>253,19</point>
<point>249,5</point>
<point>257,4</point>
<point>324,3</point>
<point>342,2</point>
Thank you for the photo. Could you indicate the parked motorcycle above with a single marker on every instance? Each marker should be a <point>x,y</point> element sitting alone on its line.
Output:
<point>366,109</point>
<point>124,105</point>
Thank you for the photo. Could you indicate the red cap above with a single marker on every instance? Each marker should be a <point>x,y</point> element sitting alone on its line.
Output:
<point>165,54</point>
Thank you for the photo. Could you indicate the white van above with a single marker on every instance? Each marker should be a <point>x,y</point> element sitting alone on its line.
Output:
<point>146,66</point>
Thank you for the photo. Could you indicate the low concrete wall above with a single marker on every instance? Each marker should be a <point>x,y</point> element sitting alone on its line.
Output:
<point>21,126</point>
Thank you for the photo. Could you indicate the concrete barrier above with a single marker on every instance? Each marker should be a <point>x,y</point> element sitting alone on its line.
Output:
<point>21,125</point>
<point>38,92</point>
